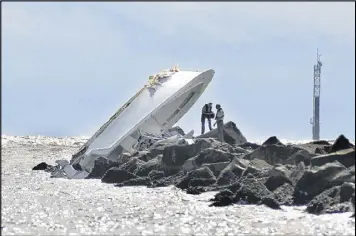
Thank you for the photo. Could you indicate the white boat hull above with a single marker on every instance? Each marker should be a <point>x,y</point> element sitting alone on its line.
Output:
<point>147,112</point>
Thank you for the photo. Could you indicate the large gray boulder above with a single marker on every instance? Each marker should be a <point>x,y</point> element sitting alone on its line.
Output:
<point>154,164</point>
<point>316,147</point>
<point>207,156</point>
<point>216,168</point>
<point>284,194</point>
<point>345,157</point>
<point>200,175</point>
<point>232,135</point>
<point>333,200</point>
<point>101,165</point>
<point>319,179</point>
<point>117,175</point>
<point>273,154</point>
<point>252,191</point>
<point>231,173</point>
<point>340,143</point>
<point>176,155</point>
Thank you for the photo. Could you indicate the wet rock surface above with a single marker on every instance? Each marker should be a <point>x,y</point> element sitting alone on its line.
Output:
<point>41,166</point>
<point>33,203</point>
<point>101,165</point>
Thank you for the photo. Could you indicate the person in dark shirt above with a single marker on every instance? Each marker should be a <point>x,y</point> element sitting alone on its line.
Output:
<point>208,114</point>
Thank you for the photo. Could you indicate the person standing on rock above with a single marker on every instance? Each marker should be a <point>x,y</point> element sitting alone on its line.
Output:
<point>207,113</point>
<point>220,122</point>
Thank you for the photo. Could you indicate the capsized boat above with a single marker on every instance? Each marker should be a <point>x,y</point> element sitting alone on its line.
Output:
<point>155,108</point>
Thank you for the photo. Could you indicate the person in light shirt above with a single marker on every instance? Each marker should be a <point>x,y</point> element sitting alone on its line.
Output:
<point>219,117</point>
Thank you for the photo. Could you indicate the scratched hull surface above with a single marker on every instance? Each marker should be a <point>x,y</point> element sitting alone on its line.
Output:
<point>143,105</point>
<point>33,203</point>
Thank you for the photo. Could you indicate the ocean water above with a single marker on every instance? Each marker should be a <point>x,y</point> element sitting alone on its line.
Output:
<point>32,203</point>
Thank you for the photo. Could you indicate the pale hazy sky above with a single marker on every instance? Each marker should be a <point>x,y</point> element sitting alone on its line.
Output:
<point>67,67</point>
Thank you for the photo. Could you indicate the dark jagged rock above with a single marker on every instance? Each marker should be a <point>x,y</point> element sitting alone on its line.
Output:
<point>281,174</point>
<point>252,191</point>
<point>323,200</point>
<point>232,135</point>
<point>223,198</point>
<point>176,155</point>
<point>241,162</point>
<point>271,203</point>
<point>168,180</point>
<point>210,155</point>
<point>257,168</point>
<point>101,165</point>
<point>345,157</point>
<point>132,165</point>
<point>301,156</point>
<point>284,194</point>
<point>250,176</point>
<point>158,149</point>
<point>278,176</point>
<point>273,182</point>
<point>249,146</point>
<point>223,201</point>
<point>252,170</point>
<point>201,182</point>
<point>145,168</point>
<point>320,142</point>
<point>315,147</point>
<point>201,173</point>
<point>155,174</point>
<point>319,150</point>
<point>42,166</point>
<point>231,187</point>
<point>141,181</point>
<point>222,194</point>
<point>297,173</point>
<point>207,156</point>
<point>272,141</point>
<point>260,164</point>
<point>117,175</point>
<point>231,173</point>
<point>328,201</point>
<point>195,190</point>
<point>146,156</point>
<point>272,154</point>
<point>216,168</point>
<point>346,191</point>
<point>318,179</point>
<point>77,167</point>
<point>340,143</point>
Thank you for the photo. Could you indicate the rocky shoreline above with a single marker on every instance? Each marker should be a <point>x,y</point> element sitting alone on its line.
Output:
<point>318,174</point>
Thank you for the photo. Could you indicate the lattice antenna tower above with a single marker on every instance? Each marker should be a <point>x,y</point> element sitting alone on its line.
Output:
<point>315,121</point>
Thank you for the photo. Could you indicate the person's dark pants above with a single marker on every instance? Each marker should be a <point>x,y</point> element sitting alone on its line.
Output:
<point>203,117</point>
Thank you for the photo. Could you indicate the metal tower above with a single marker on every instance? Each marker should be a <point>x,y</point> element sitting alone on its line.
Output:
<point>315,121</point>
